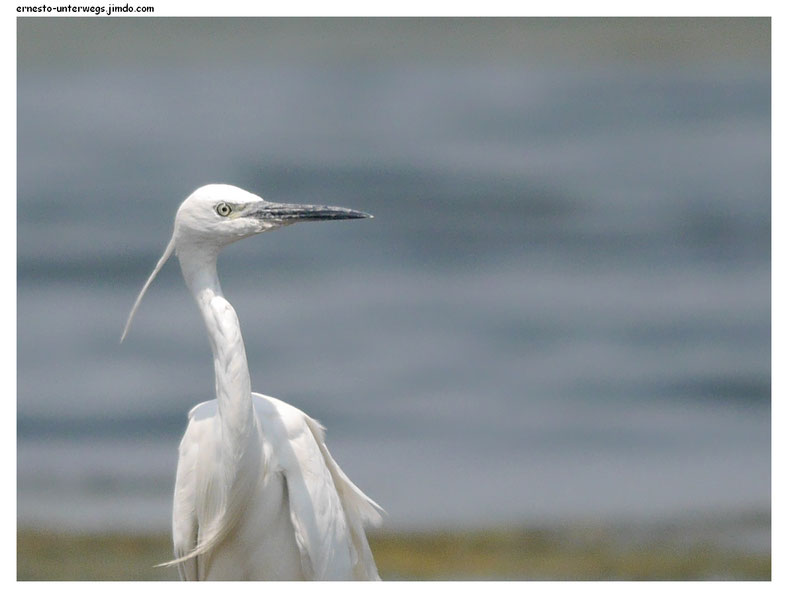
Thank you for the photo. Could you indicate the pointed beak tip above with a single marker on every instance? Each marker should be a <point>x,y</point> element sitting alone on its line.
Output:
<point>348,214</point>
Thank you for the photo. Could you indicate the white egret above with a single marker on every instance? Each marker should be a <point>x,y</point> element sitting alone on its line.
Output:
<point>257,494</point>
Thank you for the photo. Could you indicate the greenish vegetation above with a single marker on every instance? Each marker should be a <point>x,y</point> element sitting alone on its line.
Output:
<point>680,551</point>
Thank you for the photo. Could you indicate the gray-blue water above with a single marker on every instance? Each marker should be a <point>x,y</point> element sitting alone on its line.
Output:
<point>560,311</point>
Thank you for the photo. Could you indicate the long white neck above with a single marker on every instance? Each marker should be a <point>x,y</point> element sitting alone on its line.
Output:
<point>233,385</point>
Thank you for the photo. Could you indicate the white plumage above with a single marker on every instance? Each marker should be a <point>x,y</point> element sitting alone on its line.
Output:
<point>257,494</point>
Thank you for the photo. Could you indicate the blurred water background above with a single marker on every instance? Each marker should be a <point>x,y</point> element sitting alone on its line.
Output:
<point>561,310</point>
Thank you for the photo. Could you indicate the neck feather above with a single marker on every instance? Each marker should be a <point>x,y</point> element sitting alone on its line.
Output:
<point>233,385</point>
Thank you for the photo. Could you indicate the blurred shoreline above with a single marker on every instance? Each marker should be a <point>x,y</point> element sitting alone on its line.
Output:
<point>732,547</point>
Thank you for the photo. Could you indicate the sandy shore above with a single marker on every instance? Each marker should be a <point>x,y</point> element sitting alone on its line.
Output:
<point>733,547</point>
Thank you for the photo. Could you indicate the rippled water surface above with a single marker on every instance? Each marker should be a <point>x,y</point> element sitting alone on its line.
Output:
<point>561,309</point>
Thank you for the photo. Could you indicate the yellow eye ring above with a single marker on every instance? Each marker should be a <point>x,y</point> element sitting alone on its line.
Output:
<point>223,209</point>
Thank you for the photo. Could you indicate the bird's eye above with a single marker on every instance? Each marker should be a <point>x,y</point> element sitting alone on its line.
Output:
<point>223,209</point>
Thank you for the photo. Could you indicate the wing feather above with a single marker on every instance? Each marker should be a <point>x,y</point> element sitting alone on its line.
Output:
<point>315,506</point>
<point>191,488</point>
<point>327,510</point>
<point>359,509</point>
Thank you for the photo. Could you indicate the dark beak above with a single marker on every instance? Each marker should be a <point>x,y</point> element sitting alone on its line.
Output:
<point>290,213</point>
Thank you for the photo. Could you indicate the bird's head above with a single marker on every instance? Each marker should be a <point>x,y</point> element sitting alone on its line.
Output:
<point>216,215</point>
